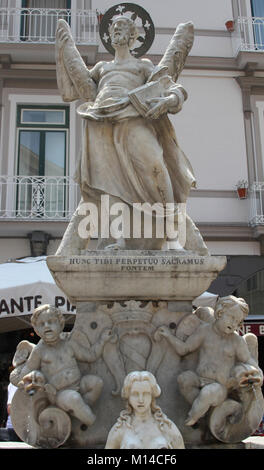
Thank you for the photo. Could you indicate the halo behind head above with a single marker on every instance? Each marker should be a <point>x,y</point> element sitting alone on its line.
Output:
<point>138,17</point>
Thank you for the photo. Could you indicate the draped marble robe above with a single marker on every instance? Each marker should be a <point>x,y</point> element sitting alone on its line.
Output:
<point>112,160</point>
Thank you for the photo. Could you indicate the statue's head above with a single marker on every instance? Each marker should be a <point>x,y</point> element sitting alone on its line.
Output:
<point>230,312</point>
<point>123,31</point>
<point>140,389</point>
<point>48,322</point>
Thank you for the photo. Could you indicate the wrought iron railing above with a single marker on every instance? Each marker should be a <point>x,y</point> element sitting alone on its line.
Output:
<point>249,34</point>
<point>38,25</point>
<point>38,197</point>
<point>256,196</point>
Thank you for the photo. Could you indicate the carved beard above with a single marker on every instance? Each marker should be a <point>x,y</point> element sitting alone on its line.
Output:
<point>120,39</point>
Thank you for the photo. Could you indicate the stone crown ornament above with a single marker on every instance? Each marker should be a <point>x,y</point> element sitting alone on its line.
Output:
<point>141,19</point>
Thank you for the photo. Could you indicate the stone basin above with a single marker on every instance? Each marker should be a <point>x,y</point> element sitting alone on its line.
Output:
<point>141,275</point>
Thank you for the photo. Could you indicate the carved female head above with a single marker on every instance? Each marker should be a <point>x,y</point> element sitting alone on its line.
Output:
<point>141,390</point>
<point>137,383</point>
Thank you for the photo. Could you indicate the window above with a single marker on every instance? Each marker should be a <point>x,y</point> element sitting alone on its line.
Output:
<point>41,158</point>
<point>252,290</point>
<point>41,116</point>
<point>46,4</point>
<point>39,19</point>
<point>257,7</point>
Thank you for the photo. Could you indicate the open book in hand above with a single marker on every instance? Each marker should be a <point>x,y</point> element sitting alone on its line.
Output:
<point>141,97</point>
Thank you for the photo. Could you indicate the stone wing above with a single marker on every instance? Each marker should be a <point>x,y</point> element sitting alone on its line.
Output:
<point>178,49</point>
<point>73,77</point>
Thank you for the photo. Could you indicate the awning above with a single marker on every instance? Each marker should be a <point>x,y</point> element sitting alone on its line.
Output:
<point>27,283</point>
<point>24,285</point>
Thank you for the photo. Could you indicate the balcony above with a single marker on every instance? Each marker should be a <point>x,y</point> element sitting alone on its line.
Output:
<point>256,198</point>
<point>248,41</point>
<point>38,198</point>
<point>38,25</point>
<point>249,34</point>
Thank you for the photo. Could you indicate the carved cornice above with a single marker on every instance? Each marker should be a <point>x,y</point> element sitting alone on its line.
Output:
<point>214,193</point>
<point>250,85</point>
<point>31,73</point>
<point>197,32</point>
<point>227,232</point>
<point>250,82</point>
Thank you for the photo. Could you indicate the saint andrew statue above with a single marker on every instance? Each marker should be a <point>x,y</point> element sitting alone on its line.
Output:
<point>129,148</point>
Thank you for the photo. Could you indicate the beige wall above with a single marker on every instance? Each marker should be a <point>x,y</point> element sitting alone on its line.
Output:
<point>218,210</point>
<point>210,129</point>
<point>13,248</point>
<point>234,248</point>
<point>209,14</point>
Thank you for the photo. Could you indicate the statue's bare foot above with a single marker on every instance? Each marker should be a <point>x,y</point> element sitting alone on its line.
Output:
<point>190,421</point>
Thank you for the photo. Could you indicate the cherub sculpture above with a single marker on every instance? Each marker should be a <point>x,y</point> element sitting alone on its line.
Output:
<point>227,364</point>
<point>142,425</point>
<point>129,149</point>
<point>51,366</point>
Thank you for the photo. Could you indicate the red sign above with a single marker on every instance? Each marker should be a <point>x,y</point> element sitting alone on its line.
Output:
<point>256,328</point>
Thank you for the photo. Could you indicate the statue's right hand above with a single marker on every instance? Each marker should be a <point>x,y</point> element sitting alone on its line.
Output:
<point>32,381</point>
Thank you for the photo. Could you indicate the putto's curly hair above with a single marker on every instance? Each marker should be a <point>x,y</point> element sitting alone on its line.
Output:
<point>134,33</point>
<point>126,415</point>
<point>224,303</point>
<point>46,308</point>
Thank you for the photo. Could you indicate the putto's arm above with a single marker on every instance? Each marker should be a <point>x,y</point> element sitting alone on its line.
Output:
<point>73,77</point>
<point>182,348</point>
<point>92,353</point>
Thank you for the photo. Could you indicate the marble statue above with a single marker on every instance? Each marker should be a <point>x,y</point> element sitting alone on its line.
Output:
<point>52,366</point>
<point>129,148</point>
<point>227,365</point>
<point>142,425</point>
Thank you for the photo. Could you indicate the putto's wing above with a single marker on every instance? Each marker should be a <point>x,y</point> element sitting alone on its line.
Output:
<point>178,49</point>
<point>73,77</point>
<point>23,351</point>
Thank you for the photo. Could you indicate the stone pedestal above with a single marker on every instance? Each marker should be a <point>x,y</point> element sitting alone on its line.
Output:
<point>133,293</point>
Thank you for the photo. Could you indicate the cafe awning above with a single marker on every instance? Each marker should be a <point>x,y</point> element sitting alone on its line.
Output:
<point>27,283</point>
<point>24,285</point>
